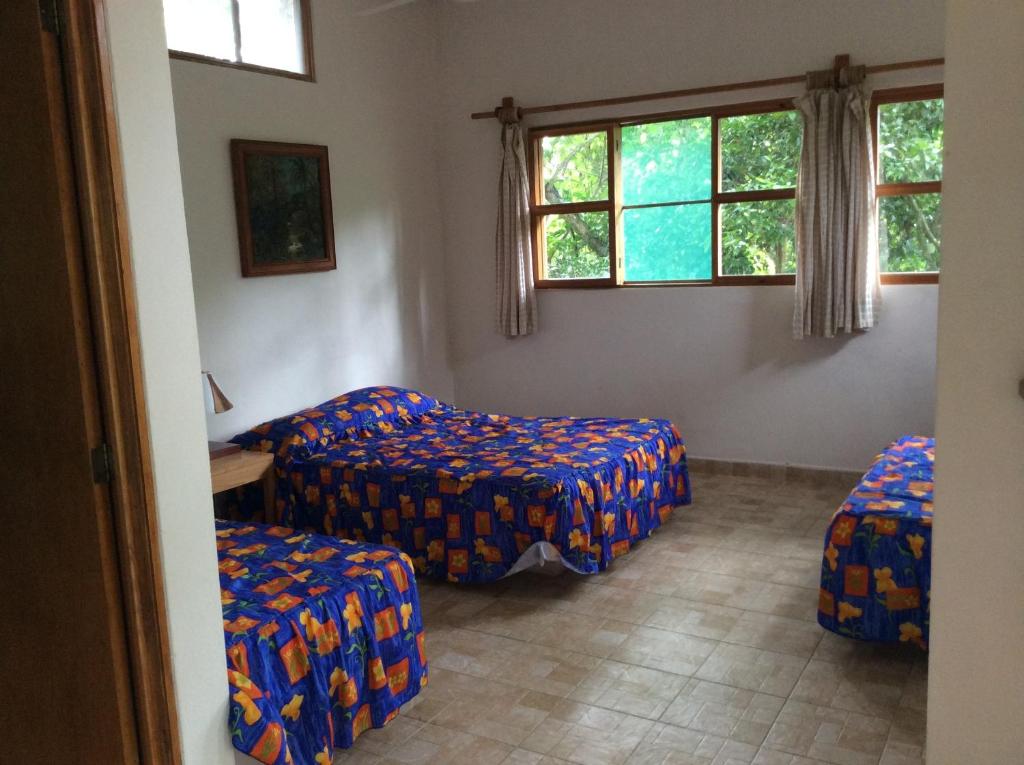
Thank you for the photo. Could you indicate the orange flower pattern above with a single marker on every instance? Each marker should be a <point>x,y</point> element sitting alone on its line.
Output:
<point>877,560</point>
<point>461,491</point>
<point>330,649</point>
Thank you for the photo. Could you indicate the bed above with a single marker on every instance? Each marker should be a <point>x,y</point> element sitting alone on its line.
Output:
<point>324,640</point>
<point>473,497</point>
<point>876,568</point>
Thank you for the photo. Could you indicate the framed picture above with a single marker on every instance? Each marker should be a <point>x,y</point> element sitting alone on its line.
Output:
<point>283,203</point>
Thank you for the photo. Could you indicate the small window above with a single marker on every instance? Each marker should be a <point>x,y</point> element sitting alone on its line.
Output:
<point>262,35</point>
<point>909,134</point>
<point>756,203</point>
<point>573,228</point>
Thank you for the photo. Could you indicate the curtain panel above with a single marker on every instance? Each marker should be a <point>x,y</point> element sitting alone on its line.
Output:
<point>517,310</point>
<point>837,280</point>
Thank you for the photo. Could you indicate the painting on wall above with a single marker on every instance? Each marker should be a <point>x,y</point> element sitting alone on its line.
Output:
<point>283,202</point>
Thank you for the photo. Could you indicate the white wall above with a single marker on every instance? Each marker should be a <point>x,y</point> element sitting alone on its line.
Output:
<point>718,361</point>
<point>279,343</point>
<point>976,665</point>
<point>170,367</point>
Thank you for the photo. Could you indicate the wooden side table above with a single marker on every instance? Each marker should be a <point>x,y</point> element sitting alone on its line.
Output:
<point>233,470</point>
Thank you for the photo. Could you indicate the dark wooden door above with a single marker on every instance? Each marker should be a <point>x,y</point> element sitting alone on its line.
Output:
<point>65,682</point>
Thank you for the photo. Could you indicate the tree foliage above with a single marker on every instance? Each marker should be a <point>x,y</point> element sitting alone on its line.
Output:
<point>910,138</point>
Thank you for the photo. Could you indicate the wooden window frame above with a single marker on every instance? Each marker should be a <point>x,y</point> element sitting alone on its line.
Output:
<point>614,206</point>
<point>307,48</point>
<point>539,210</point>
<point>900,96</point>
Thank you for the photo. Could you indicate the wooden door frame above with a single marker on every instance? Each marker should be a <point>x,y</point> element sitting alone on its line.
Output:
<point>92,130</point>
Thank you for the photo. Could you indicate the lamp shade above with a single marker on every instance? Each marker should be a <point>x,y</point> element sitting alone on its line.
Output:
<point>216,401</point>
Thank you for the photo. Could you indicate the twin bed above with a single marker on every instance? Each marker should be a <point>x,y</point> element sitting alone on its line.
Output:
<point>876,567</point>
<point>467,495</point>
<point>321,617</point>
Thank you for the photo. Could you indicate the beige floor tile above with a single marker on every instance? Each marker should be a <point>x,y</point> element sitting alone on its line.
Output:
<point>868,686</point>
<point>734,713</point>
<point>628,688</point>
<point>767,756</point>
<point>664,650</point>
<point>704,620</point>
<point>586,734</point>
<point>902,754</point>
<point>718,589</point>
<point>832,735</point>
<point>666,744</point>
<point>776,633</point>
<point>752,669</point>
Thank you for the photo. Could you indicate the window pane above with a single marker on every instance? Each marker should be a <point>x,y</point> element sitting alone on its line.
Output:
<point>575,167</point>
<point>909,232</point>
<point>910,141</point>
<point>204,27</point>
<point>666,161</point>
<point>576,245</point>
<point>272,34</point>
<point>758,238</point>
<point>668,243</point>
<point>760,151</point>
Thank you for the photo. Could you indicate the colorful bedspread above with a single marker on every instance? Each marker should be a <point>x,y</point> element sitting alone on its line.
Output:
<point>876,571</point>
<point>466,494</point>
<point>324,639</point>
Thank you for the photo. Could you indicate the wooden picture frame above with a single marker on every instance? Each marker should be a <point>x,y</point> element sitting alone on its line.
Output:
<point>283,207</point>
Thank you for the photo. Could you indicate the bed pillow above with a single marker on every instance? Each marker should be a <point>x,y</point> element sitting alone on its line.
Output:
<point>309,432</point>
<point>368,408</point>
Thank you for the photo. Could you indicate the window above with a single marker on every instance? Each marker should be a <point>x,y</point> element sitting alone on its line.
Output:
<point>710,197</point>
<point>699,198</point>
<point>270,36</point>
<point>908,133</point>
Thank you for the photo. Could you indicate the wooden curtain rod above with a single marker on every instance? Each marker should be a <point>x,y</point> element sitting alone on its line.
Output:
<point>795,79</point>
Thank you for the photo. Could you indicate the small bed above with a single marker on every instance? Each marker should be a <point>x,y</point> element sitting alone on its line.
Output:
<point>324,640</point>
<point>473,497</point>
<point>876,569</point>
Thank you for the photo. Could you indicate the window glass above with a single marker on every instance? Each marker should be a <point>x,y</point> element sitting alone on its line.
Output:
<point>760,151</point>
<point>909,232</point>
<point>910,141</point>
<point>272,34</point>
<point>668,243</point>
<point>266,33</point>
<point>203,27</point>
<point>666,161</point>
<point>576,245</point>
<point>758,238</point>
<point>575,167</point>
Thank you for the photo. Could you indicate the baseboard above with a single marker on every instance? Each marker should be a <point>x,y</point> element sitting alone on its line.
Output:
<point>774,472</point>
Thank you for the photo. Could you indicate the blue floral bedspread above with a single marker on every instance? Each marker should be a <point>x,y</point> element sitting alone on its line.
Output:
<point>876,570</point>
<point>465,494</point>
<point>324,639</point>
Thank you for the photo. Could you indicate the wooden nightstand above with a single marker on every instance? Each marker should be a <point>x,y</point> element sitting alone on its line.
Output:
<point>239,468</point>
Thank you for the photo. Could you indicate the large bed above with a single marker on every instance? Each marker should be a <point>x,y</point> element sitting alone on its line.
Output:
<point>324,640</point>
<point>876,568</point>
<point>472,497</point>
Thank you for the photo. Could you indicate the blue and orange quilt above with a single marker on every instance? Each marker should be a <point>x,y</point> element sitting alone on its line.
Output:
<point>324,640</point>
<point>876,570</point>
<point>466,494</point>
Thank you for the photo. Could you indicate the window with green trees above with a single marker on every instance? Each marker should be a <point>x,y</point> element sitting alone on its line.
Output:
<point>711,198</point>
<point>909,136</point>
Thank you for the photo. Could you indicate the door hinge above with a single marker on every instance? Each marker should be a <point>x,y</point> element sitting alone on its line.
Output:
<point>49,16</point>
<point>102,464</point>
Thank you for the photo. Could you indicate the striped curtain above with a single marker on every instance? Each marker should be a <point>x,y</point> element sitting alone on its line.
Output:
<point>517,310</point>
<point>837,280</point>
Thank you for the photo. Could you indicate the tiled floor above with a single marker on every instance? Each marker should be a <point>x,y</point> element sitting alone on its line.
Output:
<point>699,647</point>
